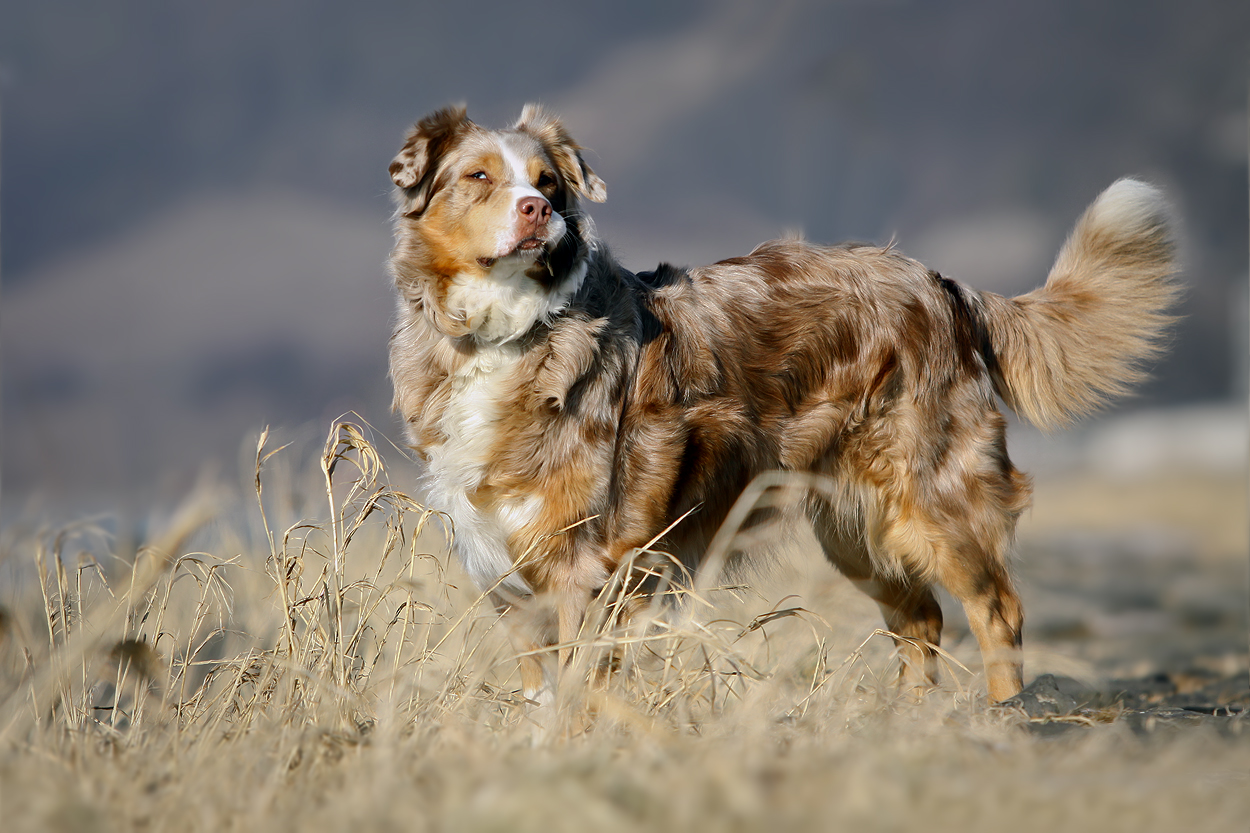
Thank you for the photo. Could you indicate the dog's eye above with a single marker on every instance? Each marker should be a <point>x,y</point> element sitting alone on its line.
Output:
<point>545,179</point>
<point>479,175</point>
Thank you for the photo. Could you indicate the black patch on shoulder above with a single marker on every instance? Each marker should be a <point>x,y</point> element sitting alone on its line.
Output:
<point>663,275</point>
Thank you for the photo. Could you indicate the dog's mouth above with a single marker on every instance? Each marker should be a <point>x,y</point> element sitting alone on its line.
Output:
<point>529,247</point>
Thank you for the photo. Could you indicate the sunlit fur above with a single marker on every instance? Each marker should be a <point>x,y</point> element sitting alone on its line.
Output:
<point>568,410</point>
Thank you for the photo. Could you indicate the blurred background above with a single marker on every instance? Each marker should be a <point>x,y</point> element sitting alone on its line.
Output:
<point>194,198</point>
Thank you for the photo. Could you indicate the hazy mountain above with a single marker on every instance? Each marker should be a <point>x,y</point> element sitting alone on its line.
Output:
<point>193,198</point>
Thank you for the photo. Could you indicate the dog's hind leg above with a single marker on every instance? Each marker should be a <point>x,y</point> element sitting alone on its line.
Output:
<point>911,611</point>
<point>907,602</point>
<point>955,528</point>
<point>995,616</point>
<point>969,522</point>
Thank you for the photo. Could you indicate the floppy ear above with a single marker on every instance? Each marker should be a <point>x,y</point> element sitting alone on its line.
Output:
<point>566,153</point>
<point>413,169</point>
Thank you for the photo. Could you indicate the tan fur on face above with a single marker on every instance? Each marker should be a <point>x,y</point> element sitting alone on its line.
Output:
<point>569,411</point>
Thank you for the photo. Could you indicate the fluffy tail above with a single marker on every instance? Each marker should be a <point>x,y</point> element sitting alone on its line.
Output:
<point>1066,349</point>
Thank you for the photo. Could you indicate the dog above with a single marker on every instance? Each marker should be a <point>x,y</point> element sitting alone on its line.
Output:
<point>569,412</point>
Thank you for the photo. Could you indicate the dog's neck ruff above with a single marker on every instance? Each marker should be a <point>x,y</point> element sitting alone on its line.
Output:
<point>508,304</point>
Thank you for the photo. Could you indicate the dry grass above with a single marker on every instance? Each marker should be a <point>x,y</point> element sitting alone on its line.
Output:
<point>251,668</point>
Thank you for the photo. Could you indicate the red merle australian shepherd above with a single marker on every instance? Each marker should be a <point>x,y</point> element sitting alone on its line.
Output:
<point>569,411</point>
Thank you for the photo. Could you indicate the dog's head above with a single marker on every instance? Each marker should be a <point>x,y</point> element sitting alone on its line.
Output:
<point>479,210</point>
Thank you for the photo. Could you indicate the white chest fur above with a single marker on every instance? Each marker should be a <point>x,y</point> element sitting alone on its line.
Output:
<point>456,468</point>
<point>508,304</point>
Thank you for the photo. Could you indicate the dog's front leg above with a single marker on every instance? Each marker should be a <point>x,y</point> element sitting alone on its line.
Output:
<point>570,613</point>
<point>530,627</point>
<point>536,626</point>
<point>544,631</point>
<point>537,681</point>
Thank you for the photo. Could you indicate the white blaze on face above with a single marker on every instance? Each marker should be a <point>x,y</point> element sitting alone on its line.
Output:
<point>519,187</point>
<point>516,164</point>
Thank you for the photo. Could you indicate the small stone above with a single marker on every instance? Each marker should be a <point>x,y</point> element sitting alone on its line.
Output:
<point>1047,696</point>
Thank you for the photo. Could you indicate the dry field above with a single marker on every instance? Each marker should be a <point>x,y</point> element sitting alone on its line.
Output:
<point>307,657</point>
